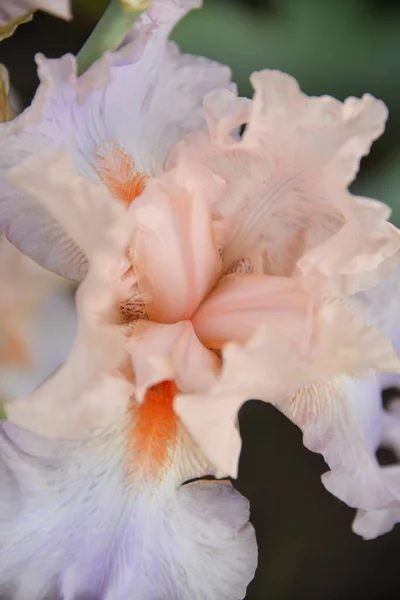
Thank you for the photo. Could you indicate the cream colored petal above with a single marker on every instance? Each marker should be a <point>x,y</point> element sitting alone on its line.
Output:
<point>173,250</point>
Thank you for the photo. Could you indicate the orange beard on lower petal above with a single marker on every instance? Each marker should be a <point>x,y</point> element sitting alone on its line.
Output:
<point>117,171</point>
<point>153,434</point>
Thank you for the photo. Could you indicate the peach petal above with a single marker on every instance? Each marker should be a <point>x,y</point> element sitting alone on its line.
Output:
<point>173,251</point>
<point>160,352</point>
<point>276,369</point>
<point>237,305</point>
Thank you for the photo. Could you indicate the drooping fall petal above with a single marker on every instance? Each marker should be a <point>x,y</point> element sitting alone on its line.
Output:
<point>122,536</point>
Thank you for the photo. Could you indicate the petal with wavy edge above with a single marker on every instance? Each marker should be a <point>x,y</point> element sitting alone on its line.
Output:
<point>380,307</point>
<point>373,523</point>
<point>143,98</point>
<point>286,182</point>
<point>81,209</point>
<point>276,370</point>
<point>120,538</point>
<point>324,128</point>
<point>351,260</point>
<point>173,250</point>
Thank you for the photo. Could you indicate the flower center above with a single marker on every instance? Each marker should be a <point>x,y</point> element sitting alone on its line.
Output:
<point>117,171</point>
<point>154,431</point>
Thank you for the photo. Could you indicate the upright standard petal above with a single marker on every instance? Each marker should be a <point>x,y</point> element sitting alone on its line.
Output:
<point>125,532</point>
<point>118,122</point>
<point>285,197</point>
<point>173,250</point>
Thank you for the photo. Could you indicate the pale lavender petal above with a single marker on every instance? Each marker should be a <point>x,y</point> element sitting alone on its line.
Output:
<point>142,100</point>
<point>76,526</point>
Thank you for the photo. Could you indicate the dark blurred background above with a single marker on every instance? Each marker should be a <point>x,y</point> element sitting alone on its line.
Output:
<point>337,47</point>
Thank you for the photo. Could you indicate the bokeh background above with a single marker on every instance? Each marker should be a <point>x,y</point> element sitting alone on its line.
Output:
<point>337,47</point>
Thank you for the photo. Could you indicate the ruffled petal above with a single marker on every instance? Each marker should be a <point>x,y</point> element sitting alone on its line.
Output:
<point>238,303</point>
<point>327,130</point>
<point>74,214</point>
<point>310,383</point>
<point>285,196</point>
<point>170,352</point>
<point>173,250</point>
<point>373,523</point>
<point>118,122</point>
<point>122,535</point>
<point>350,260</point>
<point>342,420</point>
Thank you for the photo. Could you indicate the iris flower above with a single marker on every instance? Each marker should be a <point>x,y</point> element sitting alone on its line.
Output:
<point>216,266</point>
<point>127,488</point>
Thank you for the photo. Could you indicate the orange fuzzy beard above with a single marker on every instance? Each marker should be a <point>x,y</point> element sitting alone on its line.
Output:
<point>154,433</point>
<point>117,171</point>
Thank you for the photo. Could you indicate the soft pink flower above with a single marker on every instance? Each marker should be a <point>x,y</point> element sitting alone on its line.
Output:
<point>130,523</point>
<point>221,269</point>
<point>213,261</point>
